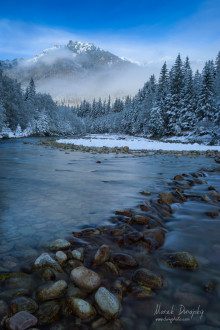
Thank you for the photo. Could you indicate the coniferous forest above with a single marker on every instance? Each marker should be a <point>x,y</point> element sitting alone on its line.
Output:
<point>180,101</point>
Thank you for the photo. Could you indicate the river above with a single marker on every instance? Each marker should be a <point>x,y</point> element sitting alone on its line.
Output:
<point>46,194</point>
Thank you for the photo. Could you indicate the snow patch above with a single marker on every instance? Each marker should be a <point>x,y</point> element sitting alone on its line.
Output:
<point>135,143</point>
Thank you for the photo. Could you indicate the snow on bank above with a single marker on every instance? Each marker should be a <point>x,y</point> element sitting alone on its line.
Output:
<point>135,143</point>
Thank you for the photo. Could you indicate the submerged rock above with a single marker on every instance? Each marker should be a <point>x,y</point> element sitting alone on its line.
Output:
<point>3,308</point>
<point>45,261</point>
<point>101,255</point>
<point>81,308</point>
<point>85,278</point>
<point>48,312</point>
<point>183,260</point>
<point>48,275</point>
<point>145,277</point>
<point>21,321</point>
<point>51,291</point>
<point>107,303</point>
<point>24,304</point>
<point>59,244</point>
<point>124,260</point>
<point>165,197</point>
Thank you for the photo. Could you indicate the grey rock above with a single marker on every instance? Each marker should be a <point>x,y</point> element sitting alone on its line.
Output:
<point>61,257</point>
<point>107,303</point>
<point>59,244</point>
<point>21,321</point>
<point>45,261</point>
<point>85,278</point>
<point>81,308</point>
<point>78,254</point>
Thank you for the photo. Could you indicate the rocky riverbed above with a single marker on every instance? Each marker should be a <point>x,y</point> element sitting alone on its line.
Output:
<point>118,276</point>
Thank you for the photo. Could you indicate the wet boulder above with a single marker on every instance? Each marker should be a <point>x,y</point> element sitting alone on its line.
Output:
<point>145,277</point>
<point>81,308</point>
<point>48,312</point>
<point>165,197</point>
<point>124,260</point>
<point>85,278</point>
<point>59,244</point>
<point>101,255</point>
<point>183,260</point>
<point>21,321</point>
<point>24,304</point>
<point>107,303</point>
<point>45,261</point>
<point>78,254</point>
<point>61,257</point>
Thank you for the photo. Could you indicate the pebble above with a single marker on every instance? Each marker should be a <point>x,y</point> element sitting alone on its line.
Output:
<point>107,303</point>
<point>85,278</point>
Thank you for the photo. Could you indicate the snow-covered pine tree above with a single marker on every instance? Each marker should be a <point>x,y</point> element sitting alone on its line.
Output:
<point>206,106</point>
<point>175,97</point>
<point>187,111</point>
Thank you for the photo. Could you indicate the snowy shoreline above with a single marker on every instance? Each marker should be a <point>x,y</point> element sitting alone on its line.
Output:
<point>135,143</point>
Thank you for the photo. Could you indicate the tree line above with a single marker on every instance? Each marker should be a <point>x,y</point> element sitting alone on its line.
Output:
<point>178,102</point>
<point>27,113</point>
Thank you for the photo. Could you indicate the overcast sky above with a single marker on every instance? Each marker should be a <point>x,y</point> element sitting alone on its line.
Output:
<point>146,31</point>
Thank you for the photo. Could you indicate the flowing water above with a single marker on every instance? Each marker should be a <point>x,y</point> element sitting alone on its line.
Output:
<point>46,194</point>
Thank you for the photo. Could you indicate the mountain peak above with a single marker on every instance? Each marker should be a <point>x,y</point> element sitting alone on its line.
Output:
<point>79,47</point>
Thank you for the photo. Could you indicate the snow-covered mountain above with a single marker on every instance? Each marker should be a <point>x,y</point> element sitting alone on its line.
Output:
<point>77,70</point>
<point>74,59</point>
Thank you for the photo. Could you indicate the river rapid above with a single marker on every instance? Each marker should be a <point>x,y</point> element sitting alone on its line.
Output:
<point>48,193</point>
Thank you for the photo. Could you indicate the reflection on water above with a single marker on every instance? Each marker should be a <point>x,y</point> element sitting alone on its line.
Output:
<point>46,193</point>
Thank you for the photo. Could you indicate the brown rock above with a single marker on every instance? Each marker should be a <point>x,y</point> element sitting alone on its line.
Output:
<point>101,255</point>
<point>48,312</point>
<point>140,220</point>
<point>145,277</point>
<point>178,177</point>
<point>117,232</point>
<point>157,234</point>
<point>144,208</point>
<point>183,260</point>
<point>133,237</point>
<point>165,197</point>
<point>124,260</point>
<point>124,213</point>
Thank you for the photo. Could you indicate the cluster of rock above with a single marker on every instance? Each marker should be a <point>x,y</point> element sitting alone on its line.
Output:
<point>82,280</point>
